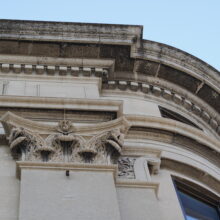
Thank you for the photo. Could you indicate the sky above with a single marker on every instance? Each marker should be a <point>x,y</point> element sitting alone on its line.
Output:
<point>190,25</point>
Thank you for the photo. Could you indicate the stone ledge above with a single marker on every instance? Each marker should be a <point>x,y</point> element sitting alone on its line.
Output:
<point>55,66</point>
<point>137,184</point>
<point>209,117</point>
<point>62,103</point>
<point>178,59</point>
<point>65,166</point>
<point>174,127</point>
<point>70,32</point>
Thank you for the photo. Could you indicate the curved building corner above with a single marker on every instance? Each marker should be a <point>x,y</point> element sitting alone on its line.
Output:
<point>98,123</point>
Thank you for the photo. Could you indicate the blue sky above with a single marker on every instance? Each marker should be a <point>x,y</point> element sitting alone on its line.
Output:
<point>190,25</point>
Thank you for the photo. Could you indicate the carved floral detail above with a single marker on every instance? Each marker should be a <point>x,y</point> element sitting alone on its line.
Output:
<point>65,127</point>
<point>24,144</point>
<point>126,167</point>
<point>140,168</point>
<point>104,148</point>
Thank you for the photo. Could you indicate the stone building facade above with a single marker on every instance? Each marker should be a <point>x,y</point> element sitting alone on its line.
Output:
<point>98,123</point>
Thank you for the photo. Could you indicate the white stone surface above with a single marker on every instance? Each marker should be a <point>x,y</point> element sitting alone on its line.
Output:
<point>134,106</point>
<point>141,169</point>
<point>51,195</point>
<point>9,186</point>
<point>140,107</point>
<point>46,88</point>
<point>168,202</point>
<point>138,204</point>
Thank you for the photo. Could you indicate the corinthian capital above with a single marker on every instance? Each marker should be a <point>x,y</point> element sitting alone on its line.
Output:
<point>32,141</point>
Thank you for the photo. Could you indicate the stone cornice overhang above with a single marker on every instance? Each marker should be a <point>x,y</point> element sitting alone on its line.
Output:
<point>182,69</point>
<point>143,59</point>
<point>110,34</point>
<point>62,103</point>
<point>70,32</point>
<point>180,60</point>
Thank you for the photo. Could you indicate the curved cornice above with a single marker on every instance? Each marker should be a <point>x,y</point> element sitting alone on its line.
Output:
<point>162,92</point>
<point>159,60</point>
<point>191,171</point>
<point>174,127</point>
<point>180,60</point>
<point>161,149</point>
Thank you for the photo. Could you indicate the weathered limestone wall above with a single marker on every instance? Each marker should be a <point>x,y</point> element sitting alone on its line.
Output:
<point>168,202</point>
<point>134,106</point>
<point>48,87</point>
<point>108,69</point>
<point>51,195</point>
<point>9,185</point>
<point>138,203</point>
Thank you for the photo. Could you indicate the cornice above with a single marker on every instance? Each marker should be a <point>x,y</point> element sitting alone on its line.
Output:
<point>203,74</point>
<point>50,66</point>
<point>178,59</point>
<point>144,146</point>
<point>159,89</point>
<point>137,184</point>
<point>62,103</point>
<point>174,127</point>
<point>191,171</point>
<point>69,32</point>
<point>74,167</point>
<point>65,166</point>
<point>180,177</point>
<point>167,141</point>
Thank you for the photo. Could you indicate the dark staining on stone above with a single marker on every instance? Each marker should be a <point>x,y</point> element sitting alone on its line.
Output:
<point>80,51</point>
<point>29,48</point>
<point>145,67</point>
<point>136,69</point>
<point>210,96</point>
<point>8,47</point>
<point>178,77</point>
<point>121,54</point>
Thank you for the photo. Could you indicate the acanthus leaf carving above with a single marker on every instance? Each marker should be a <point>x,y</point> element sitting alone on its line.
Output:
<point>24,144</point>
<point>64,144</point>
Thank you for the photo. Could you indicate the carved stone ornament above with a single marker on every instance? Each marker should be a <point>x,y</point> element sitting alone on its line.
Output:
<point>126,167</point>
<point>140,168</point>
<point>99,144</point>
<point>65,127</point>
<point>24,144</point>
